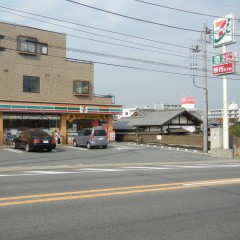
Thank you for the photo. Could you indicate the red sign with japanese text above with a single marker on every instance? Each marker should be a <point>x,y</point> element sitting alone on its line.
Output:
<point>223,69</point>
<point>227,57</point>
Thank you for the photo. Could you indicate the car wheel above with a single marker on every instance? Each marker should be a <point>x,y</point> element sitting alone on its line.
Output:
<point>49,150</point>
<point>27,148</point>
<point>89,145</point>
<point>104,146</point>
<point>75,144</point>
<point>14,145</point>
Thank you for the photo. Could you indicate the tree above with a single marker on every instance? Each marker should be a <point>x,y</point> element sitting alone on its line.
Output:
<point>235,130</point>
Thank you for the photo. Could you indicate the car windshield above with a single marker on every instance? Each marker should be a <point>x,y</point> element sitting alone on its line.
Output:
<point>99,133</point>
<point>40,134</point>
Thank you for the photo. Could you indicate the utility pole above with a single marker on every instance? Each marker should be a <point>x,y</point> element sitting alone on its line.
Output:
<point>205,88</point>
<point>193,68</point>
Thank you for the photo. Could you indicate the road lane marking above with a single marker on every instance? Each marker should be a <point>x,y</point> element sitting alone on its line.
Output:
<point>76,148</point>
<point>125,148</point>
<point>148,168</point>
<point>212,182</point>
<point>52,197</point>
<point>12,150</point>
<point>48,172</point>
<point>99,170</point>
<point>129,168</point>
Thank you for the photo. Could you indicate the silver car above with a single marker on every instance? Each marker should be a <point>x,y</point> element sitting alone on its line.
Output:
<point>91,137</point>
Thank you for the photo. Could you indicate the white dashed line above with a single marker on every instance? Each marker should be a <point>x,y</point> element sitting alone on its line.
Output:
<point>213,182</point>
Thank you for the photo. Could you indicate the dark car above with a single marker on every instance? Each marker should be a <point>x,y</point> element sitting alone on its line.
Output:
<point>34,139</point>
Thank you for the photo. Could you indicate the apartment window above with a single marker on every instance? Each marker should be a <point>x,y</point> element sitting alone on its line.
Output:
<point>31,84</point>
<point>80,87</point>
<point>27,45</point>
<point>44,49</point>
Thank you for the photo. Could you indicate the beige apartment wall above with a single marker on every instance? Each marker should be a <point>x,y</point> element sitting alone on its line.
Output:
<point>55,72</point>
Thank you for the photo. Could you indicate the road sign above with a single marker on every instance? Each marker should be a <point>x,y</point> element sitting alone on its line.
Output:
<point>223,69</point>
<point>222,58</point>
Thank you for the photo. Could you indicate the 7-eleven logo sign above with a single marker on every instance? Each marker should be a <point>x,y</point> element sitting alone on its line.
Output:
<point>223,31</point>
<point>83,109</point>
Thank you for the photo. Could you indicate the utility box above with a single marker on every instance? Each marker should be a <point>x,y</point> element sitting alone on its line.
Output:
<point>216,138</point>
<point>217,144</point>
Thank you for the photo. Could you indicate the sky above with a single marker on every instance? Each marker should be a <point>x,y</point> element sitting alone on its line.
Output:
<point>141,52</point>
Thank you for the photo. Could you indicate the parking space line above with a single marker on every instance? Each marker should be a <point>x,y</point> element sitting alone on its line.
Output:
<point>76,148</point>
<point>13,150</point>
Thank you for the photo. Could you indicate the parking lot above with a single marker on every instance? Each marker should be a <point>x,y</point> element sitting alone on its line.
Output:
<point>68,156</point>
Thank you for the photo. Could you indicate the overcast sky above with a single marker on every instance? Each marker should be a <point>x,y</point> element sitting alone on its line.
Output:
<point>156,48</point>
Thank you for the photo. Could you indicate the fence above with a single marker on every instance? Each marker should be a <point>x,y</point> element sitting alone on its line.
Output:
<point>195,141</point>
<point>236,146</point>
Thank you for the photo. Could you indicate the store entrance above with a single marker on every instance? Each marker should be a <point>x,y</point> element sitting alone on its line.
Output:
<point>73,127</point>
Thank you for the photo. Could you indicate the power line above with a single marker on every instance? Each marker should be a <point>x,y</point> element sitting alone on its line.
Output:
<point>125,66</point>
<point>136,19</point>
<point>178,9</point>
<point>94,33</point>
<point>111,56</point>
<point>121,45</point>
<point>115,65</point>
<point>87,26</point>
<point>104,63</point>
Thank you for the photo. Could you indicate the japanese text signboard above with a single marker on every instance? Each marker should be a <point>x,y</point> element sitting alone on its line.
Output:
<point>223,69</point>
<point>222,58</point>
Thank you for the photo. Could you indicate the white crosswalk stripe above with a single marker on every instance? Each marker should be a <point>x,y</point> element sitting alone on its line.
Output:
<point>120,169</point>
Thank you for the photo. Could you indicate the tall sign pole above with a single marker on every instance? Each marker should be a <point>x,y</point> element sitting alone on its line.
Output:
<point>223,35</point>
<point>225,108</point>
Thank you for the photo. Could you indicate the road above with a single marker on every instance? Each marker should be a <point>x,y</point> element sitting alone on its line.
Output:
<point>124,192</point>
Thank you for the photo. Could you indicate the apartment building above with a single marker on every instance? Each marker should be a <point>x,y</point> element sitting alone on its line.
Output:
<point>41,88</point>
<point>216,115</point>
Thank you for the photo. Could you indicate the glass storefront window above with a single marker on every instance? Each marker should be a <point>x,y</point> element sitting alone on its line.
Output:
<point>23,121</point>
<point>78,124</point>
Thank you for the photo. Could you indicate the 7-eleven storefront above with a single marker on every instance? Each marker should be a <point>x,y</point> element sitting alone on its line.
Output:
<point>66,118</point>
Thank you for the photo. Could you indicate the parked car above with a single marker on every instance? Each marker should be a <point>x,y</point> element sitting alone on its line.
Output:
<point>34,139</point>
<point>91,137</point>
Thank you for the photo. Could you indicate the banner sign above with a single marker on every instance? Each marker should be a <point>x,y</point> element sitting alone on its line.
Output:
<point>71,117</point>
<point>222,58</point>
<point>112,135</point>
<point>223,69</point>
<point>224,31</point>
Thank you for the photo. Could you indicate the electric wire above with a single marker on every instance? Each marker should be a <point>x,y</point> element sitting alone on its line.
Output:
<point>180,10</point>
<point>121,58</point>
<point>96,28</point>
<point>116,44</point>
<point>133,18</point>
<point>126,41</point>
<point>139,60</point>
<point>147,39</point>
<point>126,66</point>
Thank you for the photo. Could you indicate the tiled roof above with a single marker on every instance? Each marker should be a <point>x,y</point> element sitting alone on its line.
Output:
<point>126,123</point>
<point>159,117</point>
<point>156,118</point>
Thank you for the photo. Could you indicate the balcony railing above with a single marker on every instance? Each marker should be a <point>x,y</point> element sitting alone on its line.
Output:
<point>105,96</point>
